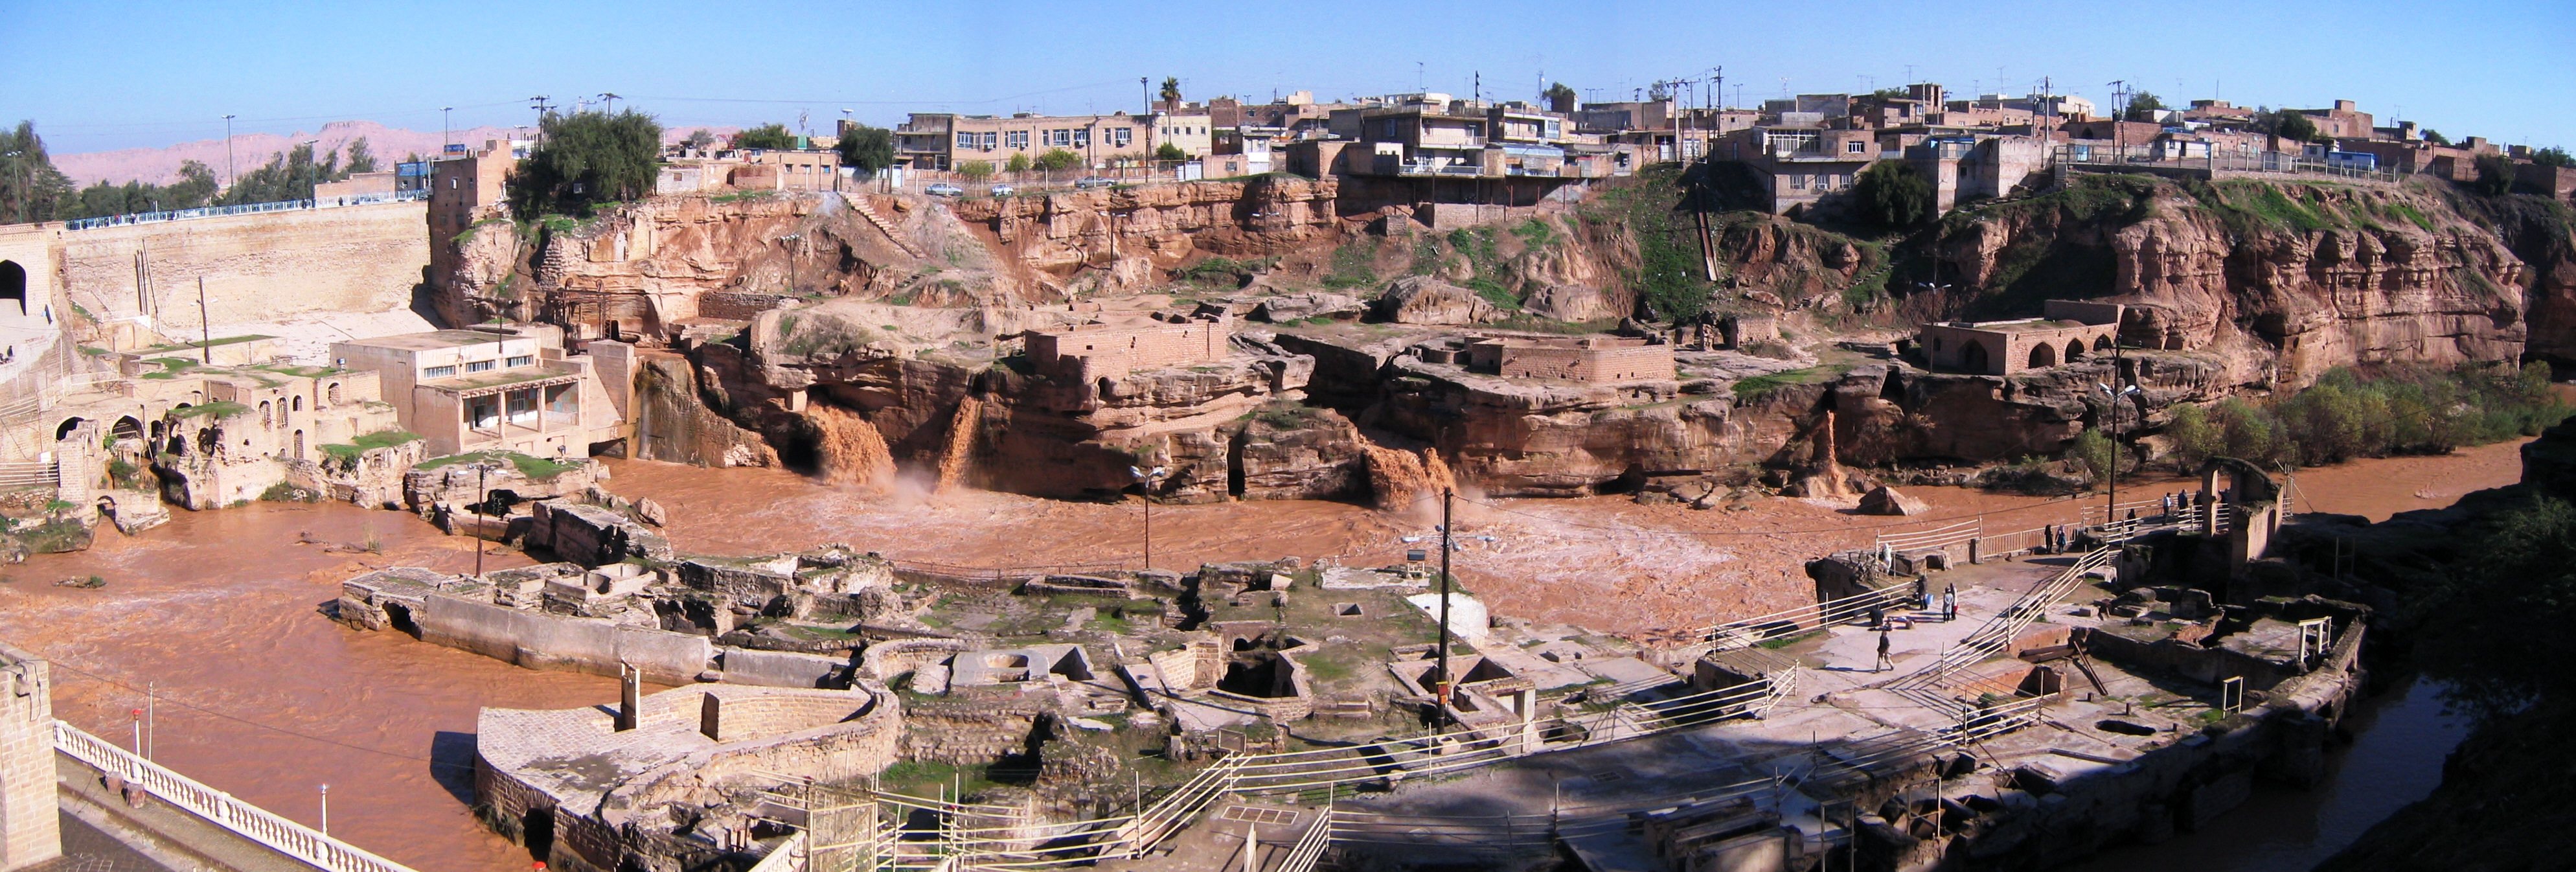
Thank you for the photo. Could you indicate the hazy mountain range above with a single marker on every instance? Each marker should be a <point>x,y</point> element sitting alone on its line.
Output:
<point>251,150</point>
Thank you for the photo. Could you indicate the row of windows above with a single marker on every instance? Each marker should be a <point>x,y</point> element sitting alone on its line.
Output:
<point>514,362</point>
<point>1063,137</point>
<point>1821,181</point>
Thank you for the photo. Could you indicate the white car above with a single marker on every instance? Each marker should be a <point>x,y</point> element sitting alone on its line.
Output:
<point>944,189</point>
<point>1002,191</point>
<point>1088,182</point>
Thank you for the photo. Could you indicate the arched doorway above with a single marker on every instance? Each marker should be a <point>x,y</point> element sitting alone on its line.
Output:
<point>126,428</point>
<point>2102,343</point>
<point>299,445</point>
<point>65,431</point>
<point>2043,354</point>
<point>1972,357</point>
<point>13,284</point>
<point>2074,350</point>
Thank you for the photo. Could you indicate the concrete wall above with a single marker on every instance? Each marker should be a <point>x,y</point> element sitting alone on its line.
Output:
<point>257,267</point>
<point>29,828</point>
<point>541,641</point>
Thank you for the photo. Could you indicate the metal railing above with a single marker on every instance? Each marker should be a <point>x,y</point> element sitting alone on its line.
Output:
<point>240,209</point>
<point>219,808</point>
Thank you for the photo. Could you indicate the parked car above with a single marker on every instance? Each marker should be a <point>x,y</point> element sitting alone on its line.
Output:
<point>944,189</point>
<point>1088,182</point>
<point>1002,190</point>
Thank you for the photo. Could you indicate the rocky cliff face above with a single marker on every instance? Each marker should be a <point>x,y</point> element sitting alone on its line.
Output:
<point>1121,239</point>
<point>2282,281</point>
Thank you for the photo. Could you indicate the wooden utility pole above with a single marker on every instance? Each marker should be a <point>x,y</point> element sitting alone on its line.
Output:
<point>1442,705</point>
<point>205,327</point>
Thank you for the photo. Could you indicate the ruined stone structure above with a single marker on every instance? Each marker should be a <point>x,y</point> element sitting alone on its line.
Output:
<point>29,829</point>
<point>2068,331</point>
<point>1595,359</point>
<point>1098,351</point>
<point>646,786</point>
<point>478,390</point>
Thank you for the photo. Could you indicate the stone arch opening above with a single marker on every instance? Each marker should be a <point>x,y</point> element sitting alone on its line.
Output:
<point>13,284</point>
<point>2074,350</point>
<point>2043,354</point>
<point>298,402</point>
<point>64,431</point>
<point>266,418</point>
<point>2102,342</point>
<point>299,445</point>
<point>1973,358</point>
<point>331,394</point>
<point>126,428</point>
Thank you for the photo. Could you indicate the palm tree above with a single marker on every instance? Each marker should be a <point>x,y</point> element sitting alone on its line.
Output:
<point>1171,91</point>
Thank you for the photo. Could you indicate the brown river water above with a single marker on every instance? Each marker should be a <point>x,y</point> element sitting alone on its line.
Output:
<point>259,695</point>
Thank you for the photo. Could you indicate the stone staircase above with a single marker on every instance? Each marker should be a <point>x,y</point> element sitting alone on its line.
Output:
<point>859,203</point>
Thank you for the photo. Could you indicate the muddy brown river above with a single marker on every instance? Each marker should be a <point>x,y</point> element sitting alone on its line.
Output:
<point>259,695</point>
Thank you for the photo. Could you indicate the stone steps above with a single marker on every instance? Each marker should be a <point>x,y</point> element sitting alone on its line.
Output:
<point>859,203</point>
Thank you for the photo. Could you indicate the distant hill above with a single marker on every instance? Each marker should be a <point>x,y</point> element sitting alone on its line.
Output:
<point>250,150</point>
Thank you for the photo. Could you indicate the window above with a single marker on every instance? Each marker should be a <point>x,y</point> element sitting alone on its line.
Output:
<point>1120,137</point>
<point>1015,139</point>
<point>1060,137</point>
<point>1855,147</point>
<point>478,366</point>
<point>1082,137</point>
<point>1798,181</point>
<point>965,139</point>
<point>521,360</point>
<point>438,372</point>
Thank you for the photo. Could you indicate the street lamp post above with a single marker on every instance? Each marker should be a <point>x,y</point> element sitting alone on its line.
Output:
<point>326,809</point>
<point>446,131</point>
<point>1149,478</point>
<point>228,152</point>
<point>2113,398</point>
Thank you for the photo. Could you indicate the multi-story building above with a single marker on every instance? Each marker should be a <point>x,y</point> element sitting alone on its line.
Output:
<point>479,390</point>
<point>464,187</point>
<point>946,140</point>
<point>1802,165</point>
<point>2341,121</point>
<point>1191,131</point>
<point>1096,351</point>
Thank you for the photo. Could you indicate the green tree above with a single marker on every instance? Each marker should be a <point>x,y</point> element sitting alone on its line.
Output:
<point>1057,160</point>
<point>2495,175</point>
<point>1171,92</point>
<point>2096,451</point>
<point>2195,437</point>
<point>1893,194</point>
<point>1019,162</point>
<point>1170,152</point>
<point>31,189</point>
<point>766,136</point>
<point>1558,94</point>
<point>288,175</point>
<point>866,149</point>
<point>2435,137</point>
<point>700,139</point>
<point>2144,106</point>
<point>2553,156</point>
<point>976,170</point>
<point>587,158</point>
<point>2501,640</point>
<point>196,187</point>
<point>361,160</point>
<point>2294,125</point>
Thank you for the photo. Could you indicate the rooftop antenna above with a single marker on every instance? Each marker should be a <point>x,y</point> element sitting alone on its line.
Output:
<point>609,98</point>
<point>1419,82</point>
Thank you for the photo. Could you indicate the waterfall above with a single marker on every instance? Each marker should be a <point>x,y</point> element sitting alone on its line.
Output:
<point>1400,477</point>
<point>848,448</point>
<point>959,452</point>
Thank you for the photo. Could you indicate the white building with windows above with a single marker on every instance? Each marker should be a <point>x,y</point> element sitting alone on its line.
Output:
<point>485,389</point>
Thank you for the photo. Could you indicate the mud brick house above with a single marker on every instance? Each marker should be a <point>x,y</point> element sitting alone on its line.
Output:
<point>1596,359</point>
<point>476,390</point>
<point>2067,331</point>
<point>1100,351</point>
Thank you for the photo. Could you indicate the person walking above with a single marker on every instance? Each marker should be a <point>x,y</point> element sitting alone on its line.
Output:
<point>1884,662</point>
<point>1950,602</point>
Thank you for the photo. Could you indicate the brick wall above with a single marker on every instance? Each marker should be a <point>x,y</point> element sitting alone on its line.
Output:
<point>1114,352</point>
<point>1599,365</point>
<point>736,305</point>
<point>29,831</point>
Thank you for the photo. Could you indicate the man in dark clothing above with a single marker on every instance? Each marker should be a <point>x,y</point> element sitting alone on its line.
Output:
<point>1883,661</point>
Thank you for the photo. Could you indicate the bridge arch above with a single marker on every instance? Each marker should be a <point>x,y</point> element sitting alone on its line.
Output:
<point>2043,354</point>
<point>13,284</point>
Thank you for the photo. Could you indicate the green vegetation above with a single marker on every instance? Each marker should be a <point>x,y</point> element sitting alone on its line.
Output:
<point>1223,270</point>
<point>768,136</point>
<point>1534,233</point>
<point>2096,451</point>
<point>1753,388</point>
<point>1170,153</point>
<point>2495,175</point>
<point>283,492</point>
<point>1019,163</point>
<point>2143,106</point>
<point>585,159</point>
<point>218,408</point>
<point>2398,411</point>
<point>380,439</point>
<point>31,189</point>
<point>1667,278</point>
<point>2553,156</point>
<point>533,467</point>
<point>1893,195</point>
<point>1058,159</point>
<point>975,170</point>
<point>866,149</point>
<point>1354,265</point>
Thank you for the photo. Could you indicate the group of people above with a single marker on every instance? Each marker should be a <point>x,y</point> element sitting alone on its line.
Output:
<point>1946,608</point>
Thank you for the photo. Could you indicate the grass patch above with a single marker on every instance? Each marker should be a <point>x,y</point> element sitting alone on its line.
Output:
<point>1753,388</point>
<point>533,467</point>
<point>363,444</point>
<point>218,408</point>
<point>1353,265</point>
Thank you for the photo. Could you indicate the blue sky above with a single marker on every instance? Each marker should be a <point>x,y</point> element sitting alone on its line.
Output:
<point>98,76</point>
